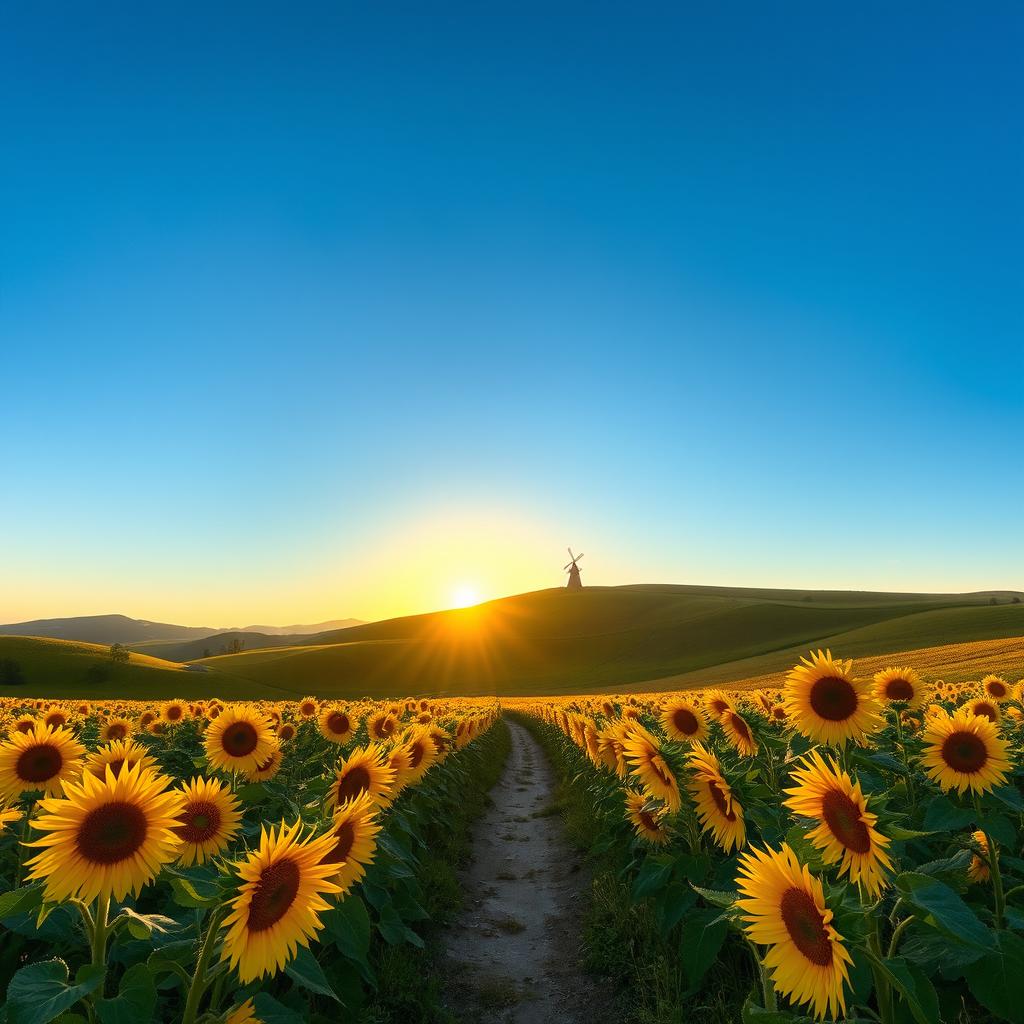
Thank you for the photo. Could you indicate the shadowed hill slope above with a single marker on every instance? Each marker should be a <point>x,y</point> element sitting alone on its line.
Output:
<point>556,641</point>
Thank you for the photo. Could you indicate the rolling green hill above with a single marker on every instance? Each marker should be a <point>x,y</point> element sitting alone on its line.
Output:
<point>66,668</point>
<point>555,641</point>
<point>550,642</point>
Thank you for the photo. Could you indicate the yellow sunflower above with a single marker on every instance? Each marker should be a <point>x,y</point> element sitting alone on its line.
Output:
<point>56,718</point>
<point>354,832</point>
<point>268,769</point>
<point>900,686</point>
<point>173,712</point>
<point>106,837</point>
<point>240,738</point>
<point>964,751</point>
<point>978,870</point>
<point>421,752</point>
<point>308,707</point>
<point>717,702</point>
<point>996,688</point>
<point>826,704</point>
<point>985,708</point>
<point>245,1013</point>
<point>277,909</point>
<point>719,813</point>
<point>24,723</point>
<point>209,820</point>
<point>365,770</point>
<point>382,725</point>
<point>684,722</point>
<point>646,817</point>
<point>846,831</point>
<point>9,815</point>
<point>116,729</point>
<point>118,754</point>
<point>285,732</point>
<point>336,724</point>
<point>643,754</point>
<point>737,732</point>
<point>784,909</point>
<point>38,760</point>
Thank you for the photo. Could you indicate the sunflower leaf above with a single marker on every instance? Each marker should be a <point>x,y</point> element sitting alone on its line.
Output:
<point>40,992</point>
<point>135,1000</point>
<point>937,905</point>
<point>305,970</point>
<point>997,982</point>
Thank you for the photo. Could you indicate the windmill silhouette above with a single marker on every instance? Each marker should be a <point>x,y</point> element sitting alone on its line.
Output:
<point>575,583</point>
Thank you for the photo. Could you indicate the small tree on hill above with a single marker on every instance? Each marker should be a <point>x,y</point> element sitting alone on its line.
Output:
<point>10,672</point>
<point>119,654</point>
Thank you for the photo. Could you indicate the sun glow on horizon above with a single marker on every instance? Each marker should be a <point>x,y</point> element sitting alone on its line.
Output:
<point>465,595</point>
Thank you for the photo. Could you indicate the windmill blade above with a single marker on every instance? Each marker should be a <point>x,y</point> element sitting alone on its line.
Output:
<point>577,558</point>
<point>564,567</point>
<point>570,552</point>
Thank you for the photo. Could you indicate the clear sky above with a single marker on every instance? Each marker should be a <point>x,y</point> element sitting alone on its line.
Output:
<point>310,311</point>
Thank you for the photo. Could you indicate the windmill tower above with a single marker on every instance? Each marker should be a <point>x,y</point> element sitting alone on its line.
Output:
<point>575,583</point>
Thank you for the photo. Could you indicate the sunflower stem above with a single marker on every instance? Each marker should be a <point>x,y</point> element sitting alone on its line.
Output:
<point>903,752</point>
<point>767,986</point>
<point>882,989</point>
<point>23,843</point>
<point>100,932</point>
<point>198,986</point>
<point>897,935</point>
<point>998,898</point>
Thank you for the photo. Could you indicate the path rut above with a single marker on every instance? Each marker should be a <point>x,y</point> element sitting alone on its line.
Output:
<point>513,953</point>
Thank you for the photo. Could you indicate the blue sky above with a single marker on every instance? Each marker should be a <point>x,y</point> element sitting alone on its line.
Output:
<point>328,311</point>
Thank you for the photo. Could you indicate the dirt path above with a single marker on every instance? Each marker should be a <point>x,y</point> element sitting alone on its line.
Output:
<point>513,954</point>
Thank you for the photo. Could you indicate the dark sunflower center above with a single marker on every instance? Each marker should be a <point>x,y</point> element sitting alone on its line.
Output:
<point>173,714</point>
<point>116,731</point>
<point>740,726</point>
<point>268,764</point>
<point>355,782</point>
<point>25,726</point>
<point>200,822</point>
<point>650,823</point>
<point>685,721</point>
<point>720,802</point>
<point>274,894</point>
<point>985,710</point>
<point>833,699</point>
<point>55,719</point>
<point>240,739</point>
<point>806,926</point>
<point>964,752</point>
<point>416,753</point>
<point>718,706</point>
<point>842,816</point>
<point>112,833</point>
<point>39,763</point>
<point>345,838</point>
<point>385,728</point>
<point>338,723</point>
<point>899,689</point>
<point>996,689</point>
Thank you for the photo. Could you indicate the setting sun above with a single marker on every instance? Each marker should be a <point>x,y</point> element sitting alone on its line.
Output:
<point>465,595</point>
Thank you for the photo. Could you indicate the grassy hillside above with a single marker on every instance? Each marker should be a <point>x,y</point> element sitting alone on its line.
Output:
<point>64,668</point>
<point>553,641</point>
<point>617,638</point>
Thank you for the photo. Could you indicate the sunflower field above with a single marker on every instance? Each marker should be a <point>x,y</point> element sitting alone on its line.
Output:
<point>219,862</point>
<point>840,848</point>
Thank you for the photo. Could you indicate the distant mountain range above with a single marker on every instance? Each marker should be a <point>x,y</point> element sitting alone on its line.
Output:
<point>120,629</point>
